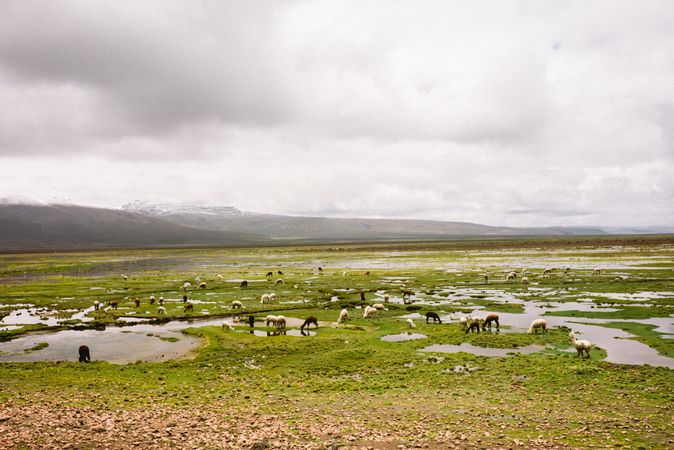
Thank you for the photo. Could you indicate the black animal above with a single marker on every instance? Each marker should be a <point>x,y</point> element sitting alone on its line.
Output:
<point>244,283</point>
<point>279,272</point>
<point>308,321</point>
<point>474,326</point>
<point>362,296</point>
<point>270,274</point>
<point>184,298</point>
<point>113,304</point>
<point>137,302</point>
<point>85,356</point>
<point>189,307</point>
<point>434,316</point>
<point>320,269</point>
<point>251,321</point>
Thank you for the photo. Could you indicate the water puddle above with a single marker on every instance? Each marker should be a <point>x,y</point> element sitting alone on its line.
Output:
<point>403,337</point>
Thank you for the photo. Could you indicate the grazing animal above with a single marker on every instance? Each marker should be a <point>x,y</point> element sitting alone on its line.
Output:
<point>434,316</point>
<point>113,304</point>
<point>219,277</point>
<point>125,277</point>
<point>97,305</point>
<point>511,276</point>
<point>227,326</point>
<point>186,285</point>
<point>369,312</point>
<point>152,299</point>
<point>380,307</point>
<point>407,293</point>
<point>184,298</point>
<point>308,321</point>
<point>486,278</point>
<point>581,345</point>
<point>367,274</point>
<point>567,270</point>
<point>189,308</point>
<point>161,311</point>
<point>386,298</point>
<point>137,302</point>
<point>279,281</point>
<point>525,280</point>
<point>264,298</point>
<point>202,285</point>
<point>538,324</point>
<point>463,321</point>
<point>410,323</point>
<point>85,356</point>
<point>279,272</point>
<point>244,284</point>
<point>344,273</point>
<point>491,318</point>
<point>343,316</point>
<point>280,322</point>
<point>269,274</point>
<point>547,272</point>
<point>320,269</point>
<point>362,296</point>
<point>473,326</point>
<point>596,271</point>
<point>270,320</point>
<point>237,304</point>
<point>272,297</point>
<point>161,300</point>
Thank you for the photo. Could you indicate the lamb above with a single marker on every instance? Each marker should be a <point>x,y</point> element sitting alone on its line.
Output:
<point>473,326</point>
<point>434,316</point>
<point>369,312</point>
<point>161,311</point>
<point>202,285</point>
<point>343,316</point>
<point>488,321</point>
<point>380,307</point>
<point>410,323</point>
<point>536,324</point>
<point>264,298</point>
<point>581,345</point>
<point>525,280</point>
<point>308,321</point>
<point>237,304</point>
<point>280,322</point>
<point>189,308</point>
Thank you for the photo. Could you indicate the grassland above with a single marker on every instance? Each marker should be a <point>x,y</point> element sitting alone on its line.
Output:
<point>345,387</point>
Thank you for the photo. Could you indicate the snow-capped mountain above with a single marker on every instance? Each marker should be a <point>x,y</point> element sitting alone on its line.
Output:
<point>169,209</point>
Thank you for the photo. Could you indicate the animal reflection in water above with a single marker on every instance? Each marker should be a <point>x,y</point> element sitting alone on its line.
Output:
<point>85,356</point>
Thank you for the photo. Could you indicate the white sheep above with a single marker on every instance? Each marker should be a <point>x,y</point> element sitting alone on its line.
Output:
<point>202,285</point>
<point>343,316</point>
<point>186,285</point>
<point>125,277</point>
<point>581,345</point>
<point>264,298</point>
<point>237,304</point>
<point>280,322</point>
<point>161,311</point>
<point>270,320</point>
<point>152,299</point>
<point>344,273</point>
<point>410,323</point>
<point>219,277</point>
<point>272,297</point>
<point>524,271</point>
<point>536,324</point>
<point>370,312</point>
<point>380,307</point>
<point>525,280</point>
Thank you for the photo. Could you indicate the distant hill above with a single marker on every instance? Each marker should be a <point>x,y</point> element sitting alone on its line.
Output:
<point>36,227</point>
<point>333,229</point>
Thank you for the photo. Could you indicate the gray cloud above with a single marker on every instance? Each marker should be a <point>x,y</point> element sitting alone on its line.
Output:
<point>514,113</point>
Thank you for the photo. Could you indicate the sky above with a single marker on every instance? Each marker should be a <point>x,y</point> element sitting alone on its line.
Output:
<point>518,113</point>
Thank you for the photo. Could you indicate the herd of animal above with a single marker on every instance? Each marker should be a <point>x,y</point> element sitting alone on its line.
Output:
<point>278,322</point>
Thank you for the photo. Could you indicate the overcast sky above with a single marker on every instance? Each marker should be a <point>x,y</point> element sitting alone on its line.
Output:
<point>497,112</point>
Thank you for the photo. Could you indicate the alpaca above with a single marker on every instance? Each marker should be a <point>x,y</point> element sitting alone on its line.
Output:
<point>152,299</point>
<point>308,321</point>
<point>473,326</point>
<point>161,311</point>
<point>227,326</point>
<point>244,284</point>
<point>581,345</point>
<point>237,304</point>
<point>343,316</point>
<point>280,322</point>
<point>270,320</point>
<point>370,312</point>
<point>137,302</point>
<point>488,321</point>
<point>264,298</point>
<point>434,316</point>
<point>189,308</point>
<point>202,285</point>
<point>410,323</point>
<point>112,304</point>
<point>536,324</point>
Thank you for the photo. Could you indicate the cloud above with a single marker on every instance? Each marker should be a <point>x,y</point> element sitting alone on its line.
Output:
<point>514,113</point>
